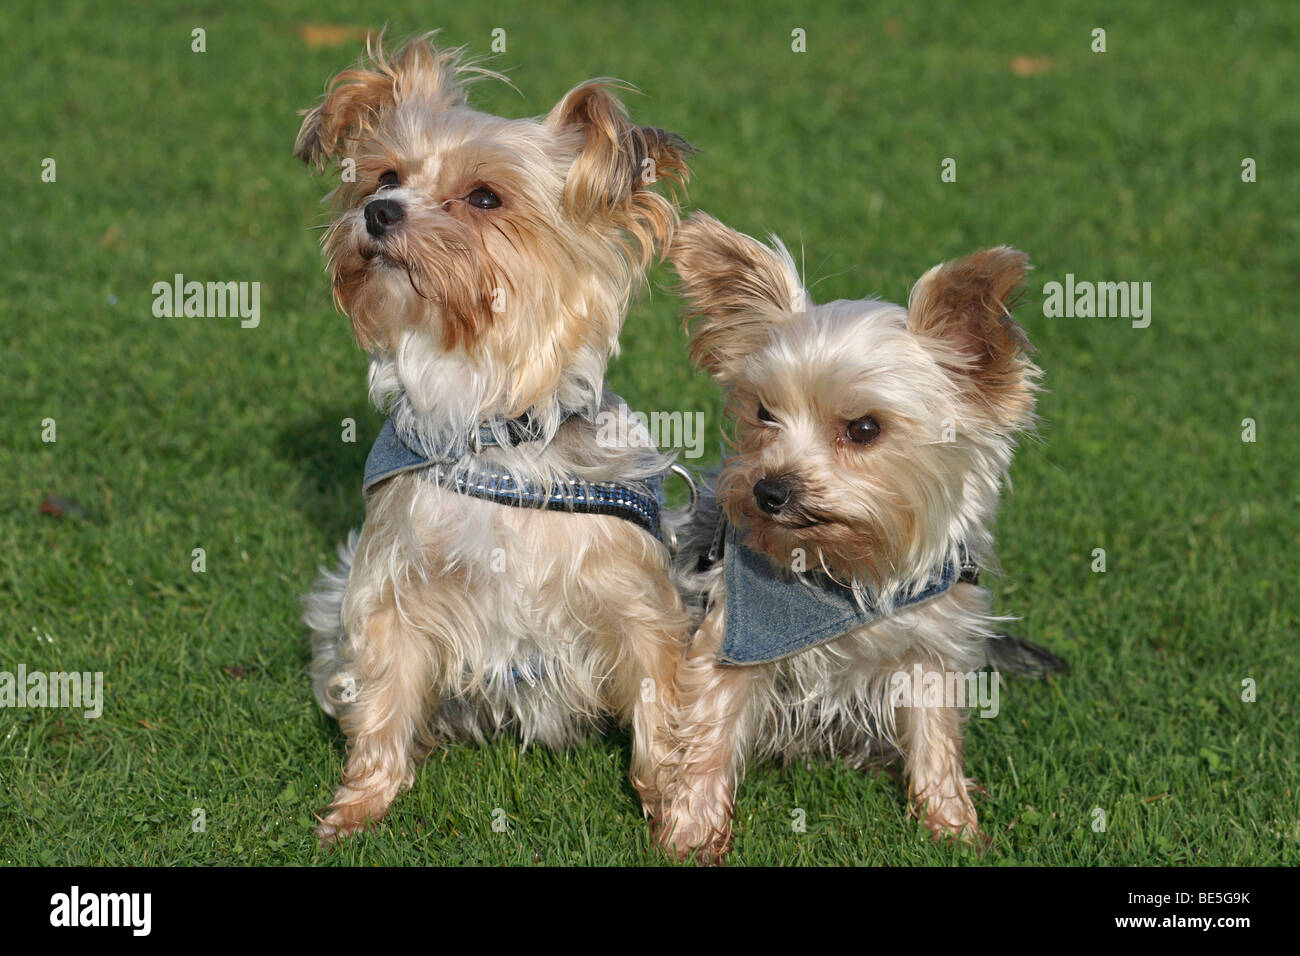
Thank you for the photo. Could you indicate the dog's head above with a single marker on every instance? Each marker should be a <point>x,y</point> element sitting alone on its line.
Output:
<point>869,439</point>
<point>512,243</point>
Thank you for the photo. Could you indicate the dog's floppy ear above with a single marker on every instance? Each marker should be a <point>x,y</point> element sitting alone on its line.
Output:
<point>736,287</point>
<point>355,98</point>
<point>966,305</point>
<point>618,163</point>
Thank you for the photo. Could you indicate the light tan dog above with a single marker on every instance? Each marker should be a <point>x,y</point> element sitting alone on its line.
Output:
<point>486,265</point>
<point>838,561</point>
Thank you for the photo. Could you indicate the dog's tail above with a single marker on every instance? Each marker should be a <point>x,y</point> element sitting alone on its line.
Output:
<point>1015,655</point>
<point>331,676</point>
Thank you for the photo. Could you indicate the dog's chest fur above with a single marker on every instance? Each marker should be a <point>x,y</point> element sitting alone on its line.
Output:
<point>834,698</point>
<point>519,630</point>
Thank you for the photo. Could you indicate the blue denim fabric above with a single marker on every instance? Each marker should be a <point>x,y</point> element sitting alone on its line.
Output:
<point>772,613</point>
<point>391,456</point>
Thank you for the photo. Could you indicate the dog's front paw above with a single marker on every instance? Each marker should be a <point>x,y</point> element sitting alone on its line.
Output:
<point>952,819</point>
<point>685,839</point>
<point>339,825</point>
<point>353,811</point>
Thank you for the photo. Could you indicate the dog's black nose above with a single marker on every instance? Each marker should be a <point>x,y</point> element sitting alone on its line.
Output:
<point>381,215</point>
<point>772,495</point>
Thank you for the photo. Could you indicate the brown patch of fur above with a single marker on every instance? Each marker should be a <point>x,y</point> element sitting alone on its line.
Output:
<point>607,179</point>
<point>354,98</point>
<point>967,304</point>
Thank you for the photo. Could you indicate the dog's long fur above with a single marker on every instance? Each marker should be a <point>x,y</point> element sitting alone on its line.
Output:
<point>878,516</point>
<point>450,616</point>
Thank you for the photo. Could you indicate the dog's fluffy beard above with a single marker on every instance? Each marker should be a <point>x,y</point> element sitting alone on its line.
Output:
<point>892,430</point>
<point>494,286</point>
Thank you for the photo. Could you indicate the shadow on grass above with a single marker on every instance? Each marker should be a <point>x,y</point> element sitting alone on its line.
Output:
<point>331,470</point>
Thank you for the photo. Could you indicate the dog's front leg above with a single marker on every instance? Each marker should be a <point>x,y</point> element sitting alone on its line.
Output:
<point>930,738</point>
<point>393,670</point>
<point>712,705</point>
<point>649,637</point>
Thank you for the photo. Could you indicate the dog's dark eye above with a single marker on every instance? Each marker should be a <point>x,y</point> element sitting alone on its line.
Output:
<point>863,431</point>
<point>764,415</point>
<point>483,199</point>
<point>389,180</point>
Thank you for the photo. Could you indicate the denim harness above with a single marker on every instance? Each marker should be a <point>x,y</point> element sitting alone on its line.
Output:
<point>771,614</point>
<point>390,456</point>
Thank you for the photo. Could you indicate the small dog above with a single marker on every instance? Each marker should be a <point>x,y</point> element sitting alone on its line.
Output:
<point>508,574</point>
<point>842,548</point>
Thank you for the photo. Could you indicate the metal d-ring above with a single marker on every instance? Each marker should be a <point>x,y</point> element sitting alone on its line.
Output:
<point>686,476</point>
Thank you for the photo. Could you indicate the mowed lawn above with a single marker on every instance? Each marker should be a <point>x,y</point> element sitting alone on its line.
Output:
<point>174,434</point>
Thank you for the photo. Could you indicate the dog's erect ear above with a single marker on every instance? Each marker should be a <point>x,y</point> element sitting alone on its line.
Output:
<point>966,305</point>
<point>618,163</point>
<point>356,97</point>
<point>736,287</point>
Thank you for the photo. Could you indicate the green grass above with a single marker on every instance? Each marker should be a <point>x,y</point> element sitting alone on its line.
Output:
<point>182,433</point>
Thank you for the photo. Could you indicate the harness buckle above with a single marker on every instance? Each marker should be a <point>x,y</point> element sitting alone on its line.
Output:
<point>670,535</point>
